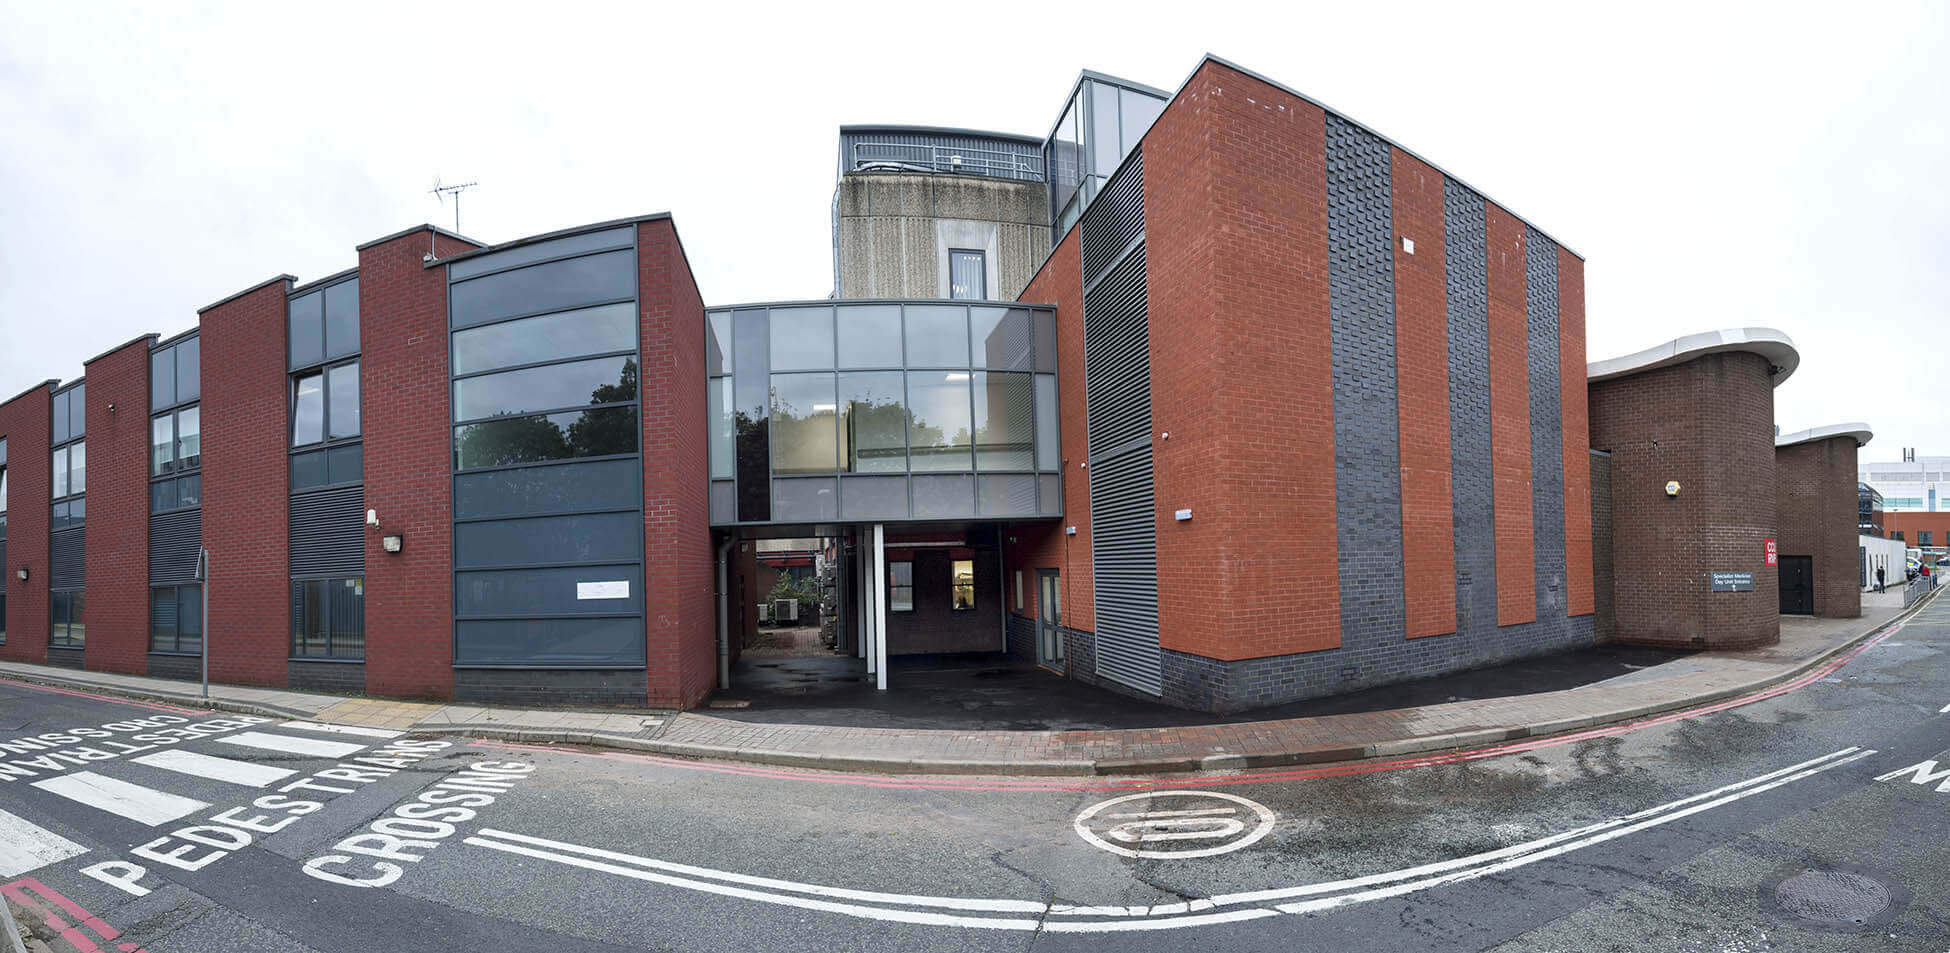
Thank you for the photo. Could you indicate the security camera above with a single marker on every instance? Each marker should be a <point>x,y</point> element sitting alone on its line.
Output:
<point>428,258</point>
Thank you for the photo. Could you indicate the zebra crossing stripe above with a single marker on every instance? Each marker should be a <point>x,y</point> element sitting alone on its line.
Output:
<point>26,847</point>
<point>133,801</point>
<point>309,747</point>
<point>344,729</point>
<point>214,768</point>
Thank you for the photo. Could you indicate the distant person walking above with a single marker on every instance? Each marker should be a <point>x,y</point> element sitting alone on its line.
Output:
<point>1878,578</point>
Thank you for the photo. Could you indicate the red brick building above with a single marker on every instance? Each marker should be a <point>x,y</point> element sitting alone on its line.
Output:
<point>1287,411</point>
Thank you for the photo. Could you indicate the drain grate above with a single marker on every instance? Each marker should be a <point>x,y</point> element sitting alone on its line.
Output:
<point>1834,898</point>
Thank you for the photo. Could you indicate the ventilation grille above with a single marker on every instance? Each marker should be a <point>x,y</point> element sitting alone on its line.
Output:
<point>174,539</point>
<point>1117,400</point>
<point>1115,219</point>
<point>68,558</point>
<point>328,533</point>
<point>1117,360</point>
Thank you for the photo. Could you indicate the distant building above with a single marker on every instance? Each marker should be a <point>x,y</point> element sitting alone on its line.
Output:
<point>1913,485</point>
<point>1868,509</point>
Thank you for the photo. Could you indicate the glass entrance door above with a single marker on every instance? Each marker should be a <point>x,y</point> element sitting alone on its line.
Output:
<point>1049,619</point>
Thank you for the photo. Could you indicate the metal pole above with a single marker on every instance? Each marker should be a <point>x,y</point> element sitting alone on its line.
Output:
<point>203,576</point>
<point>880,605</point>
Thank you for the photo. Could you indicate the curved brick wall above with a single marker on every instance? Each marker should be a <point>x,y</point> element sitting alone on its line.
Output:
<point>1708,423</point>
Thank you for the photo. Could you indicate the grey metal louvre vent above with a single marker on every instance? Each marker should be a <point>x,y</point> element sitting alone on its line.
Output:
<point>174,539</point>
<point>1115,220</point>
<point>3,564</point>
<point>67,558</point>
<point>1117,401</point>
<point>328,533</point>
<point>1117,359</point>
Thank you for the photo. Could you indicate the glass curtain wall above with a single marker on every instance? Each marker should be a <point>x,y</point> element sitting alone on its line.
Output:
<point>548,500</point>
<point>67,538</point>
<point>175,497</point>
<point>1100,125</point>
<point>327,474</point>
<point>882,411</point>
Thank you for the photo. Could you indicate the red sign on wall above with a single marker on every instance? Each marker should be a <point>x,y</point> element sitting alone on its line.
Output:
<point>1771,551</point>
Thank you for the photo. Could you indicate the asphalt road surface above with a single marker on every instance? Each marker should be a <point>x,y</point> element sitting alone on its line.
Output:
<point>1812,820</point>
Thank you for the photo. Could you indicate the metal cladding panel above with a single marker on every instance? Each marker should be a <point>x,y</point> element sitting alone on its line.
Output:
<point>1117,360</point>
<point>1546,424</point>
<point>67,558</point>
<point>908,147</point>
<point>1466,273</point>
<point>1361,308</point>
<point>1115,219</point>
<point>174,539</point>
<point>1117,402</point>
<point>328,533</point>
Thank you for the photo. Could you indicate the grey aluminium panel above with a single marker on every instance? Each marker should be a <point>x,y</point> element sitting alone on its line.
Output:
<point>174,539</point>
<point>68,558</point>
<point>328,533</point>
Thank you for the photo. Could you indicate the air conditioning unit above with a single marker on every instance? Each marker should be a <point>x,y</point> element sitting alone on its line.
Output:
<point>764,612</point>
<point>785,610</point>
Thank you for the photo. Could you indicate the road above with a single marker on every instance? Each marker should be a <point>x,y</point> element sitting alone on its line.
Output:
<point>1811,820</point>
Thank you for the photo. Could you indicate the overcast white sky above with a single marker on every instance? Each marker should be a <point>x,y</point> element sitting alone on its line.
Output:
<point>1718,166</point>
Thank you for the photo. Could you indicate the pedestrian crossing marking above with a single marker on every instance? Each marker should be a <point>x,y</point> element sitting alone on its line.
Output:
<point>344,729</point>
<point>27,847</point>
<point>133,801</point>
<point>309,747</point>
<point>214,768</point>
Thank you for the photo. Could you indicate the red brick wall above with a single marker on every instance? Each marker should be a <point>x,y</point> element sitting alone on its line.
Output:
<point>1422,401</point>
<point>1236,224</point>
<point>1816,507</point>
<point>680,611</point>
<point>118,510</point>
<point>1043,544</point>
<point>1910,524</point>
<point>404,414</point>
<point>24,423</point>
<point>1579,594</point>
<point>1516,570</point>
<point>1707,423</point>
<point>246,486</point>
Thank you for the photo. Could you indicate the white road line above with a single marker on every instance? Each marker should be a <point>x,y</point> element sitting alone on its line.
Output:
<point>1945,708</point>
<point>133,801</point>
<point>26,847</point>
<point>360,730</point>
<point>1161,916</point>
<point>215,768</point>
<point>1324,903</point>
<point>311,747</point>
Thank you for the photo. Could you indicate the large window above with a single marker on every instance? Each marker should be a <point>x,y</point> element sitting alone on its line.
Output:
<point>1923,537</point>
<point>69,628</point>
<point>967,274</point>
<point>325,405</point>
<point>70,483</point>
<point>176,619</point>
<point>328,618</point>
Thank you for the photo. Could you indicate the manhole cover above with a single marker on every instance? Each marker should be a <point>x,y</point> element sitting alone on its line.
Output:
<point>1833,898</point>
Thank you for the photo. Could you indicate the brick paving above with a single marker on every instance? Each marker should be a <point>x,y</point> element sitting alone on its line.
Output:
<point>1696,679</point>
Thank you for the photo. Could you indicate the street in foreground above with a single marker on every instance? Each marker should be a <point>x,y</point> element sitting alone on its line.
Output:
<point>1810,820</point>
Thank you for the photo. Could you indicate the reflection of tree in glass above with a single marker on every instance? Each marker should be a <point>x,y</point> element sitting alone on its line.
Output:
<point>599,432</point>
<point>876,430</point>
<point>510,438</point>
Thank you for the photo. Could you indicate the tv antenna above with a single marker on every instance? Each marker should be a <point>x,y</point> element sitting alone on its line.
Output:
<point>441,192</point>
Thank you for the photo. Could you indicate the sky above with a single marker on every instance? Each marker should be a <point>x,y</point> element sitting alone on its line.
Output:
<point>1775,165</point>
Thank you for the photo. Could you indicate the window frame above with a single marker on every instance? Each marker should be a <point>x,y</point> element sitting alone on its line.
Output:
<point>982,272</point>
<point>324,374</point>
<point>60,634</point>
<point>176,593</point>
<point>894,588</point>
<point>331,630</point>
<point>955,585</point>
<point>321,289</point>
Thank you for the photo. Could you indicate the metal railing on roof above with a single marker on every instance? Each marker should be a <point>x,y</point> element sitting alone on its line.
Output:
<point>926,158</point>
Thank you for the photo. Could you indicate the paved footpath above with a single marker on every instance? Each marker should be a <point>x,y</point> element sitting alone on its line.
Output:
<point>1808,649</point>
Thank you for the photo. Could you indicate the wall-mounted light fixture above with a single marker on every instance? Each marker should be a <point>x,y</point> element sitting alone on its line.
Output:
<point>111,406</point>
<point>392,542</point>
<point>1672,488</point>
<point>21,573</point>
